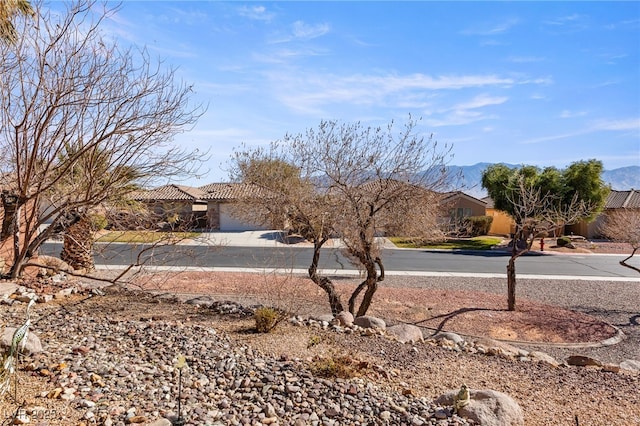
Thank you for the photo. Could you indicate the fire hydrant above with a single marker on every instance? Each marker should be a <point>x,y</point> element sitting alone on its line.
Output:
<point>541,244</point>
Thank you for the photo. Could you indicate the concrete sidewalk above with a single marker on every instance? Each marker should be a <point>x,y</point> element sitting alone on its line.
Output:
<point>264,238</point>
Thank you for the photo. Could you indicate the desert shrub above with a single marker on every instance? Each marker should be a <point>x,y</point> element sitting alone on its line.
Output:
<point>99,222</point>
<point>266,319</point>
<point>314,341</point>
<point>563,241</point>
<point>479,225</point>
<point>337,366</point>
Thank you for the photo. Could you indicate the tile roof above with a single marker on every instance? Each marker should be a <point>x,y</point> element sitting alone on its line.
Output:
<point>170,193</point>
<point>623,199</point>
<point>229,191</point>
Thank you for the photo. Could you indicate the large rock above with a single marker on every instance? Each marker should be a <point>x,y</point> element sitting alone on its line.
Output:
<point>583,361</point>
<point>345,319</point>
<point>495,347</point>
<point>452,337</point>
<point>487,407</point>
<point>33,345</point>
<point>406,333</point>
<point>630,365</point>
<point>367,321</point>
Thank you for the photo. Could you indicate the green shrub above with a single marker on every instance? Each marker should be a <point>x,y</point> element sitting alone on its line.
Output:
<point>98,222</point>
<point>479,225</point>
<point>266,319</point>
<point>563,241</point>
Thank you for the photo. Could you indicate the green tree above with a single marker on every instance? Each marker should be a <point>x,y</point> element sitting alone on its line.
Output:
<point>541,201</point>
<point>354,182</point>
<point>9,10</point>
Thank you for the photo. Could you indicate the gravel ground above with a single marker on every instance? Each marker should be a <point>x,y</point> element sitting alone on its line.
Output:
<point>617,303</point>
<point>112,360</point>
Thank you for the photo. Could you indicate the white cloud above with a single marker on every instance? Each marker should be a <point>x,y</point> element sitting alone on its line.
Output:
<point>481,101</point>
<point>258,13</point>
<point>627,124</point>
<point>567,24</point>
<point>305,31</point>
<point>572,114</point>
<point>598,126</point>
<point>489,29</point>
<point>525,59</point>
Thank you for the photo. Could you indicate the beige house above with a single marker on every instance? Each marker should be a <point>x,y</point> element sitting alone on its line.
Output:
<point>629,199</point>
<point>208,207</point>
<point>502,223</point>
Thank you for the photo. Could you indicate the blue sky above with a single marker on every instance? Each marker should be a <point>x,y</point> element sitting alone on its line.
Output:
<point>544,83</point>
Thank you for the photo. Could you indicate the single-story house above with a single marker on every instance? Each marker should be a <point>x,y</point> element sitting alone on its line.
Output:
<point>629,199</point>
<point>207,207</point>
<point>502,223</point>
<point>175,203</point>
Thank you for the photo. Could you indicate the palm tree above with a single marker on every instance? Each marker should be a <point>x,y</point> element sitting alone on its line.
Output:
<point>92,172</point>
<point>9,9</point>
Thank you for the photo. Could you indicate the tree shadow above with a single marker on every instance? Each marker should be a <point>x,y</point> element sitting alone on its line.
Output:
<point>450,315</point>
<point>484,253</point>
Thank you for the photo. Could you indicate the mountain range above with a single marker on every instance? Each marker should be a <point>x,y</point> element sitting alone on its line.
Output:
<point>623,178</point>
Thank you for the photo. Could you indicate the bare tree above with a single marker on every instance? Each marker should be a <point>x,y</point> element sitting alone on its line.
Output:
<point>70,95</point>
<point>536,214</point>
<point>356,182</point>
<point>624,225</point>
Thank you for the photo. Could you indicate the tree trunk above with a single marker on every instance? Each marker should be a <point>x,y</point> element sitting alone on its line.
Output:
<point>371,284</point>
<point>18,258</point>
<point>77,249</point>
<point>323,282</point>
<point>511,284</point>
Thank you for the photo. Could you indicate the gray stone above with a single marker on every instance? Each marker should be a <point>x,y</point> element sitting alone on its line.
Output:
<point>33,345</point>
<point>406,333</point>
<point>324,318</point>
<point>453,337</point>
<point>7,289</point>
<point>487,407</point>
<point>630,365</point>
<point>368,321</point>
<point>495,347</point>
<point>543,357</point>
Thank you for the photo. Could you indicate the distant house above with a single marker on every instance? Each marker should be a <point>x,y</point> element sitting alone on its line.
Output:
<point>207,207</point>
<point>502,223</point>
<point>629,199</point>
<point>220,198</point>
<point>456,206</point>
<point>175,203</point>
<point>459,205</point>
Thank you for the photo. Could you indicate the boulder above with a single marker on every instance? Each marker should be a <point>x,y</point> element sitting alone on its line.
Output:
<point>487,407</point>
<point>33,345</point>
<point>452,337</point>
<point>495,347</point>
<point>583,361</point>
<point>406,333</point>
<point>630,365</point>
<point>367,321</point>
<point>344,318</point>
<point>543,357</point>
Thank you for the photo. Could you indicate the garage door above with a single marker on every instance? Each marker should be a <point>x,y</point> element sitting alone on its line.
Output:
<point>230,223</point>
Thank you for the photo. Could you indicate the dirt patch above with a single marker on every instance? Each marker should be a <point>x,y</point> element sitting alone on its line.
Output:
<point>465,312</point>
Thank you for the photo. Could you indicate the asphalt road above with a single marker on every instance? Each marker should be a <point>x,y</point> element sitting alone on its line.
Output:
<point>395,260</point>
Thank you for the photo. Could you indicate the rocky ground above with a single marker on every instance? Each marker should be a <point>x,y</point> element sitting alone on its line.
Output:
<point>111,359</point>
